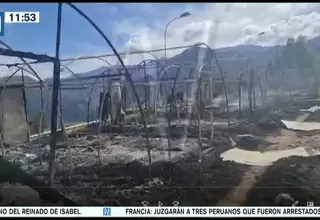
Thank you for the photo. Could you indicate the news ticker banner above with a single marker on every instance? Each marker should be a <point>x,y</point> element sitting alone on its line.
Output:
<point>160,212</point>
<point>17,17</point>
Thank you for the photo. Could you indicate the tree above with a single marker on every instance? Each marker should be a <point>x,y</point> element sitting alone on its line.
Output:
<point>270,69</point>
<point>270,66</point>
<point>278,62</point>
<point>303,58</point>
<point>295,55</point>
<point>289,54</point>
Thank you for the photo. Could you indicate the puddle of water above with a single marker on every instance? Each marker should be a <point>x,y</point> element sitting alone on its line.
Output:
<point>263,159</point>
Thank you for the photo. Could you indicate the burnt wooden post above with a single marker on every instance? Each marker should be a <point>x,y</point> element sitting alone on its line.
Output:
<point>261,89</point>
<point>173,92</point>
<point>200,101</point>
<point>123,90</point>
<point>240,94</point>
<point>42,103</point>
<point>124,95</point>
<point>1,127</point>
<point>250,91</point>
<point>110,84</point>
<point>60,111</point>
<point>89,102</point>
<point>103,100</point>
<point>155,99</point>
<point>188,91</point>
<point>103,106</point>
<point>160,85</point>
<point>25,105</point>
<point>211,103</point>
<point>254,89</point>
<point>103,83</point>
<point>55,93</point>
<point>145,85</point>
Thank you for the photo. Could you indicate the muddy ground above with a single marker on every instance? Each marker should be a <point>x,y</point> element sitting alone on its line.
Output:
<point>123,177</point>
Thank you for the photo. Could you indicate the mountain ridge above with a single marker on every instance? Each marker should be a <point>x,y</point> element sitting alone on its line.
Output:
<point>74,102</point>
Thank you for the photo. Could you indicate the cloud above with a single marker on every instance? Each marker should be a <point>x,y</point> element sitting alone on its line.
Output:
<point>234,23</point>
<point>141,27</point>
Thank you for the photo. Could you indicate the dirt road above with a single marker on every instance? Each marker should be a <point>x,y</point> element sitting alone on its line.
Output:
<point>238,196</point>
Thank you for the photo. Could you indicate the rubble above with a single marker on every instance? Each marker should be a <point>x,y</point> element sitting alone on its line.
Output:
<point>123,177</point>
<point>18,194</point>
<point>249,142</point>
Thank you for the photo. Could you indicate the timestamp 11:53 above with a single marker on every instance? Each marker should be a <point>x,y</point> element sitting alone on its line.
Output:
<point>22,17</point>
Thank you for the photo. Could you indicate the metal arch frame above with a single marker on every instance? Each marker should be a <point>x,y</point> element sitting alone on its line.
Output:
<point>128,77</point>
<point>43,104</point>
<point>171,66</point>
<point>95,84</point>
<point>157,60</point>
<point>100,58</point>
<point>33,72</point>
<point>198,83</point>
<point>166,71</point>
<point>200,76</point>
<point>108,42</point>
<point>149,61</point>
<point>103,55</point>
<point>90,97</point>
<point>221,75</point>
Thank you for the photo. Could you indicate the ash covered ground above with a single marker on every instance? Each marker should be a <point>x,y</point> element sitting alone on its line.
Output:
<point>123,179</point>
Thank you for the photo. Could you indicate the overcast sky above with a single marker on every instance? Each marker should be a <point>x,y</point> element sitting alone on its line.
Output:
<point>136,26</point>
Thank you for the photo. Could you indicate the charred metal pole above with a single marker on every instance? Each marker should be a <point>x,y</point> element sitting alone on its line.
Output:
<point>40,58</point>
<point>55,93</point>
<point>60,106</point>
<point>103,100</point>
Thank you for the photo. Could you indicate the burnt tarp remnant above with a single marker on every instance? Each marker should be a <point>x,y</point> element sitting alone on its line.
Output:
<point>301,126</point>
<point>13,123</point>
<point>105,104</point>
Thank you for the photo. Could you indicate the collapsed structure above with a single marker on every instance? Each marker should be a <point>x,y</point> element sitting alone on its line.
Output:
<point>13,119</point>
